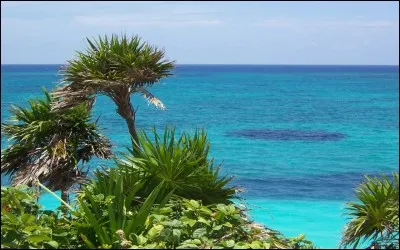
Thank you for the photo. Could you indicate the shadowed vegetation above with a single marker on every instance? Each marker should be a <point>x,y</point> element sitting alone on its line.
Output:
<point>49,146</point>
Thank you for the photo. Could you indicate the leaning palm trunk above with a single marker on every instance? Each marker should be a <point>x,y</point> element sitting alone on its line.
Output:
<point>117,68</point>
<point>125,110</point>
<point>65,198</point>
<point>132,130</point>
<point>130,121</point>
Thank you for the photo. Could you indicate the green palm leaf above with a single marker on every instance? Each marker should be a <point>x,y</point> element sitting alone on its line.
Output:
<point>181,163</point>
<point>47,146</point>
<point>375,216</point>
<point>117,68</point>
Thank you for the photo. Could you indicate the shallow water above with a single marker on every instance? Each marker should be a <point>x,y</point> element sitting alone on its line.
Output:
<point>297,138</point>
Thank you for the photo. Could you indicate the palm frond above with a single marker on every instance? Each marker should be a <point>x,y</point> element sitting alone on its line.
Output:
<point>375,215</point>
<point>151,99</point>
<point>109,64</point>
<point>182,163</point>
<point>47,146</point>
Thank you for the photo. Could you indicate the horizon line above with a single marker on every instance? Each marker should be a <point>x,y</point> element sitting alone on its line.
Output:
<point>222,64</point>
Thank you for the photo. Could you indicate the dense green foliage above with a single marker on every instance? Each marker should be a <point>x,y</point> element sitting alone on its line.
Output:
<point>181,223</point>
<point>182,163</point>
<point>144,204</point>
<point>48,146</point>
<point>119,59</point>
<point>375,217</point>
<point>186,223</point>
<point>24,225</point>
<point>110,204</point>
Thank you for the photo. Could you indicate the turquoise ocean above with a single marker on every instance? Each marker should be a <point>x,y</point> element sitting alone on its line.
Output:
<point>298,139</point>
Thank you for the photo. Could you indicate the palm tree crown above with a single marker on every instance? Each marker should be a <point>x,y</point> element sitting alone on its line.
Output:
<point>115,67</point>
<point>47,146</point>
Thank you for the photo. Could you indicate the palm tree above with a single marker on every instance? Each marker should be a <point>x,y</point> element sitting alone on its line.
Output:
<point>376,216</point>
<point>47,147</point>
<point>117,68</point>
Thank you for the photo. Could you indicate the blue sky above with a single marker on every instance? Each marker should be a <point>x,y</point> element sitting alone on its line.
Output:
<point>208,32</point>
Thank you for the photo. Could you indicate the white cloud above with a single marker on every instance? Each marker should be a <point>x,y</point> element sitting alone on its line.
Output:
<point>160,15</point>
<point>147,2</point>
<point>20,3</point>
<point>290,23</point>
<point>358,23</point>
<point>142,20</point>
<point>377,24</point>
<point>204,22</point>
<point>277,23</point>
<point>16,3</point>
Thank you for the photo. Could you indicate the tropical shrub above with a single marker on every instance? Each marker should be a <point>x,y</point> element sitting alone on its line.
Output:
<point>108,204</point>
<point>103,221</point>
<point>48,146</point>
<point>182,163</point>
<point>375,216</point>
<point>188,224</point>
<point>24,225</point>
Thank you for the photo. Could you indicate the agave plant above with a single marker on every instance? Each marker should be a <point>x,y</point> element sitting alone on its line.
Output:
<point>376,216</point>
<point>109,206</point>
<point>181,163</point>
<point>48,147</point>
<point>117,68</point>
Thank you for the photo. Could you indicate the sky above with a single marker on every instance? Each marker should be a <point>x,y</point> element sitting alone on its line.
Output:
<point>328,32</point>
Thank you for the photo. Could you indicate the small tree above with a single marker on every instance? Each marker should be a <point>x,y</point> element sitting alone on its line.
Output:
<point>376,216</point>
<point>48,146</point>
<point>117,68</point>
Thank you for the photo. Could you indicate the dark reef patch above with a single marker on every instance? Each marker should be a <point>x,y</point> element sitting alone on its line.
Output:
<point>329,186</point>
<point>287,135</point>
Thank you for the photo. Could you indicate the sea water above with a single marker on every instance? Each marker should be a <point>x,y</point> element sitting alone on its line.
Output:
<point>298,139</point>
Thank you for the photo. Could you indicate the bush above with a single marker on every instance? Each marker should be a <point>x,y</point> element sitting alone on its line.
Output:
<point>145,202</point>
<point>109,203</point>
<point>24,225</point>
<point>49,147</point>
<point>182,163</point>
<point>188,224</point>
<point>101,221</point>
